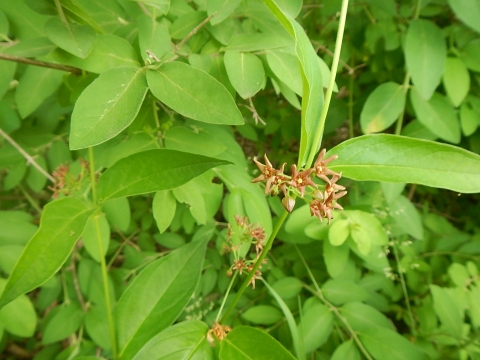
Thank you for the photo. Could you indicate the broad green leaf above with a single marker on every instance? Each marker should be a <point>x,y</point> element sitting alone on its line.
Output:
<point>362,317</point>
<point>34,87</point>
<point>365,227</point>
<point>152,170</point>
<point>312,91</point>
<point>468,11</point>
<point>471,55</point>
<point>245,72</point>
<point>182,26</point>
<point>162,5</point>
<point>75,39</point>
<point>459,274</point>
<point>16,226</point>
<point>194,94</point>
<point>4,26</point>
<point>315,327</point>
<point>153,36</point>
<point>450,315</point>
<point>183,341</point>
<point>338,232</point>
<point>109,52</point>
<point>118,213</point>
<point>285,66</point>
<point>163,208</point>
<point>96,229</point>
<point>406,216</point>
<point>346,351</point>
<point>157,296</point>
<point>335,257</point>
<point>191,194</point>
<point>456,80</point>
<point>394,158</point>
<point>107,106</point>
<point>392,190</point>
<point>96,325</point>
<point>425,54</point>
<point>247,343</point>
<point>222,8</point>
<point>288,287</point>
<point>181,138</point>
<point>169,240</point>
<point>382,108</point>
<point>18,317</point>
<point>341,291</point>
<point>387,344</point>
<point>61,225</point>
<point>437,115</point>
<point>262,314</point>
<point>469,119</point>
<point>32,47</point>
<point>415,129</point>
<point>65,322</point>
<point>258,42</point>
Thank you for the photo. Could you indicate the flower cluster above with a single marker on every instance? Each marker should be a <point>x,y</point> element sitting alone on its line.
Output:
<point>322,202</point>
<point>65,182</point>
<point>248,233</point>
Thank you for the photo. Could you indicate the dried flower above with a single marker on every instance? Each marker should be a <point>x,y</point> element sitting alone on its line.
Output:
<point>219,331</point>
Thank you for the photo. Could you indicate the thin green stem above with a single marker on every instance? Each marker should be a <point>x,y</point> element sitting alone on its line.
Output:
<point>328,96</point>
<point>262,256</point>
<point>405,87</point>
<point>103,264</point>
<point>350,106</point>
<point>226,295</point>
<point>405,292</point>
<point>58,5</point>
<point>30,199</point>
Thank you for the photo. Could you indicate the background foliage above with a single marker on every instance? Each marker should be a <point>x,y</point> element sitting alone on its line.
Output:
<point>124,162</point>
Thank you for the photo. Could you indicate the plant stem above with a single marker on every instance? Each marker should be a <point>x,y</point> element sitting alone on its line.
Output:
<point>103,264</point>
<point>226,295</point>
<point>29,158</point>
<point>328,96</point>
<point>193,32</point>
<point>405,86</point>
<point>405,292</point>
<point>30,199</point>
<point>350,106</point>
<point>61,14</point>
<point>23,60</point>
<point>262,256</point>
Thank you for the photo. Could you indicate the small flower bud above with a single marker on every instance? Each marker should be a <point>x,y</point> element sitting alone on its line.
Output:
<point>288,203</point>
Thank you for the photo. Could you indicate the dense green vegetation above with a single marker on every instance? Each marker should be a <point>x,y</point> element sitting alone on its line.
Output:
<point>163,193</point>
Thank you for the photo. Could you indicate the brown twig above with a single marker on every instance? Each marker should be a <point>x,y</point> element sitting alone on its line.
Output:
<point>193,32</point>
<point>30,159</point>
<point>23,60</point>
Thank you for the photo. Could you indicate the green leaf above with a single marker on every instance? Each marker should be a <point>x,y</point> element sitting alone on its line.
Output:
<point>182,26</point>
<point>34,87</point>
<point>64,322</point>
<point>247,343</point>
<point>262,314</point>
<point>97,226</point>
<point>425,54</point>
<point>456,80</point>
<point>315,327</point>
<point>285,66</point>
<point>7,71</point>
<point>222,8</point>
<point>338,232</point>
<point>153,36</point>
<point>245,72</point>
<point>109,52</point>
<point>288,287</point>
<point>107,106</point>
<point>163,208</point>
<point>392,158</point>
<point>341,291</point>
<point>191,194</point>
<point>61,225</point>
<point>185,340</point>
<point>437,115</point>
<point>469,119</point>
<point>467,11</point>
<point>157,296</point>
<point>346,351</point>
<point>194,94</point>
<point>18,317</point>
<point>32,47</point>
<point>152,170</point>
<point>363,317</point>
<point>459,275</point>
<point>258,42</point>
<point>382,108</point>
<point>335,257</point>
<point>365,227</point>
<point>162,5</point>
<point>16,227</point>
<point>387,344</point>
<point>450,315</point>
<point>181,138</point>
<point>118,213</point>
<point>406,216</point>
<point>75,39</point>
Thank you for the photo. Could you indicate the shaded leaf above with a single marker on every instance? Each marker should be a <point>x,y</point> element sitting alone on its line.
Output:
<point>315,327</point>
<point>467,11</point>
<point>262,314</point>
<point>75,39</point>
<point>456,80</point>
<point>245,72</point>
<point>394,158</point>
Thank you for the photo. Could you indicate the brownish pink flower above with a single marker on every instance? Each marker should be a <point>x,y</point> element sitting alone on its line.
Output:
<point>320,166</point>
<point>332,185</point>
<point>301,179</point>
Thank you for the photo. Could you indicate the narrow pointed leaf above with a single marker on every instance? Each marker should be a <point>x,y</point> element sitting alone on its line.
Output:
<point>157,297</point>
<point>61,225</point>
<point>184,341</point>
<point>392,158</point>
<point>75,39</point>
<point>152,170</point>
<point>107,106</point>
<point>247,343</point>
<point>193,93</point>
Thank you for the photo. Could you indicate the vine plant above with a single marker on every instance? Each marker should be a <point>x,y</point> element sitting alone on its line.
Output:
<point>110,267</point>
